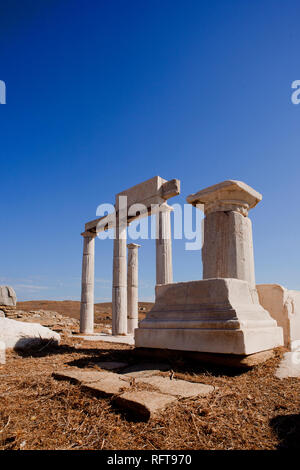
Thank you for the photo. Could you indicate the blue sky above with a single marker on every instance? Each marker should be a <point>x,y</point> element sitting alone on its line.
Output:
<point>102,95</point>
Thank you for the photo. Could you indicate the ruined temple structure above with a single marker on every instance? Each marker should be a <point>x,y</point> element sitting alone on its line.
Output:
<point>224,313</point>
<point>153,194</point>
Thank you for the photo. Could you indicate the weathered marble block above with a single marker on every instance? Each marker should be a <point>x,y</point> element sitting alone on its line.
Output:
<point>284,306</point>
<point>212,315</point>
<point>8,296</point>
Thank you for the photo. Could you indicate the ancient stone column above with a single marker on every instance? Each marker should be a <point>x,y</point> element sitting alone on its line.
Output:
<point>119,292</point>
<point>164,268</point>
<point>132,287</point>
<point>87,284</point>
<point>228,247</point>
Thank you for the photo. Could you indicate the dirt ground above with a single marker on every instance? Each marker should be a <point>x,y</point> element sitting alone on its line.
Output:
<point>248,410</point>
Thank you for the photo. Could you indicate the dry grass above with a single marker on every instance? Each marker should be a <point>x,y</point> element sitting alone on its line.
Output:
<point>249,410</point>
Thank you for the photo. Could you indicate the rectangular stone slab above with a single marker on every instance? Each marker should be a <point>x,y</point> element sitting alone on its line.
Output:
<point>143,403</point>
<point>81,375</point>
<point>108,386</point>
<point>177,387</point>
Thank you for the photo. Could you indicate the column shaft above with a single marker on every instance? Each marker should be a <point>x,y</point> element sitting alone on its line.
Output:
<point>87,286</point>
<point>132,287</point>
<point>119,291</point>
<point>164,268</point>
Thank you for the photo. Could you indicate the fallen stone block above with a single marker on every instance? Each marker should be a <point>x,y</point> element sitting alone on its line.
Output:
<point>289,365</point>
<point>177,387</point>
<point>2,352</point>
<point>8,296</point>
<point>284,306</point>
<point>20,335</point>
<point>103,383</point>
<point>144,404</point>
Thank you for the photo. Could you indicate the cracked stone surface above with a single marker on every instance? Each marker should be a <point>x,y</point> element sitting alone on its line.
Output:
<point>144,403</point>
<point>176,387</point>
<point>108,386</point>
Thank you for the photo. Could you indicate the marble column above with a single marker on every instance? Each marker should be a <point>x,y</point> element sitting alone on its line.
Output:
<point>164,268</point>
<point>228,246</point>
<point>119,290</point>
<point>132,287</point>
<point>87,284</point>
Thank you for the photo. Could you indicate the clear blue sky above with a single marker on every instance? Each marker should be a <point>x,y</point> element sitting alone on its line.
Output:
<point>102,95</point>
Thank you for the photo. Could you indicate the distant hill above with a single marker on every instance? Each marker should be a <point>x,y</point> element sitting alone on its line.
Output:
<point>71,308</point>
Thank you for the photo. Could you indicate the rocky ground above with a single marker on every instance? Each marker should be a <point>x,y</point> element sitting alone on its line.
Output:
<point>249,409</point>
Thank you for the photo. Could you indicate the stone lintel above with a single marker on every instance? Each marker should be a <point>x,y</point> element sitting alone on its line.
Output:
<point>153,192</point>
<point>229,195</point>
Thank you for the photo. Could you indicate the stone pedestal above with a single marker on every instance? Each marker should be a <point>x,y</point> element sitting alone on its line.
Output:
<point>132,287</point>
<point>228,247</point>
<point>213,315</point>
<point>87,284</point>
<point>164,268</point>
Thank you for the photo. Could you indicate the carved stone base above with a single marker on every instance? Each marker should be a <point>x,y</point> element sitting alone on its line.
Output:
<point>214,315</point>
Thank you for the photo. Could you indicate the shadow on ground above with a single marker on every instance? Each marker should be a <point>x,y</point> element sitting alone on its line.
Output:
<point>287,428</point>
<point>94,355</point>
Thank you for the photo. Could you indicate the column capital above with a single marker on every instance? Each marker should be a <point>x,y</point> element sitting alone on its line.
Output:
<point>229,195</point>
<point>165,208</point>
<point>131,246</point>
<point>89,234</point>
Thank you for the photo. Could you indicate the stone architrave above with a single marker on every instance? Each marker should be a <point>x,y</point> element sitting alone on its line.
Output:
<point>87,284</point>
<point>164,267</point>
<point>132,287</point>
<point>221,313</point>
